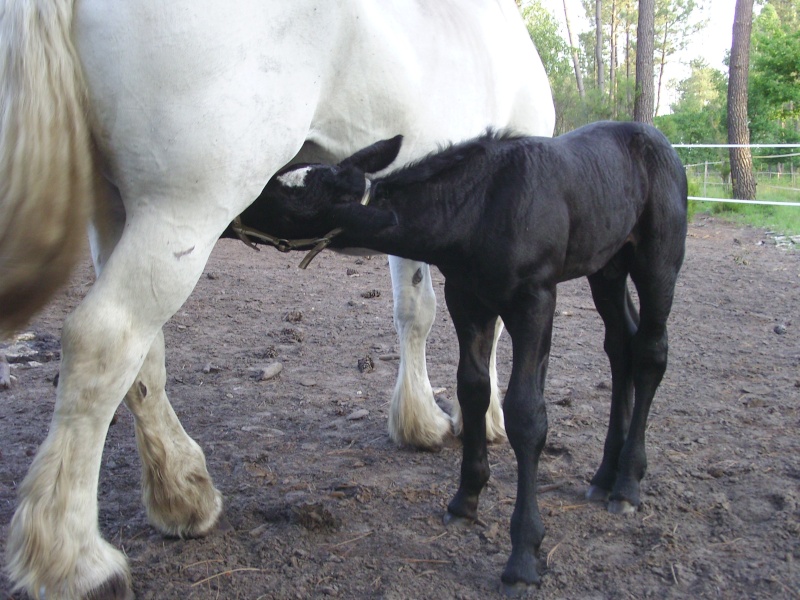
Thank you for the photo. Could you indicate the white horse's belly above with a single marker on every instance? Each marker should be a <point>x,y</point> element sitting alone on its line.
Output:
<point>435,72</point>
<point>188,96</point>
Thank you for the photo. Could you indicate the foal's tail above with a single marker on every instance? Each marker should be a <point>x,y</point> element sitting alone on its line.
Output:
<point>46,170</point>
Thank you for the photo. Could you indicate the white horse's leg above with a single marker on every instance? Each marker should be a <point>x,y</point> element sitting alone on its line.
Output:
<point>495,425</point>
<point>177,490</point>
<point>54,545</point>
<point>414,417</point>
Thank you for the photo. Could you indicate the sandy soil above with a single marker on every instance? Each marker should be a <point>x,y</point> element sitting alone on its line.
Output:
<point>319,503</point>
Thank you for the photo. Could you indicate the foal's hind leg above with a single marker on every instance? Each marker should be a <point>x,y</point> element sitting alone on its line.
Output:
<point>654,270</point>
<point>613,303</point>
<point>177,490</point>
<point>655,282</point>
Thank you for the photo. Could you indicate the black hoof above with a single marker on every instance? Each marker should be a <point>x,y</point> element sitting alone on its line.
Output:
<point>521,574</point>
<point>452,521</point>
<point>621,507</point>
<point>597,494</point>
<point>518,590</point>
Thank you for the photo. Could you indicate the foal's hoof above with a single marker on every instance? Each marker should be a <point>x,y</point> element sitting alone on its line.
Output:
<point>621,507</point>
<point>597,494</point>
<point>517,584</point>
<point>452,521</point>
<point>518,590</point>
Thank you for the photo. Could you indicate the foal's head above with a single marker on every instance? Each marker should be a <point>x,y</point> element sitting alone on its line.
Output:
<point>303,201</point>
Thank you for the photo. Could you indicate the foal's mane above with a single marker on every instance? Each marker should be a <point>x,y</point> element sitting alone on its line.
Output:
<point>451,157</point>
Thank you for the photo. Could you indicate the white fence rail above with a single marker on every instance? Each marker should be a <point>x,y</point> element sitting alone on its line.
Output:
<point>770,174</point>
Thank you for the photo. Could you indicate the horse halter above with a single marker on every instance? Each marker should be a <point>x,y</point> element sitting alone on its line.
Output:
<point>316,245</point>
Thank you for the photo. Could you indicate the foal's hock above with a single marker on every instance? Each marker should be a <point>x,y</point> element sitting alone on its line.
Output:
<point>506,218</point>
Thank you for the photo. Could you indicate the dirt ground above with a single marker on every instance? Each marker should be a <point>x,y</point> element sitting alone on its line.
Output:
<point>319,503</point>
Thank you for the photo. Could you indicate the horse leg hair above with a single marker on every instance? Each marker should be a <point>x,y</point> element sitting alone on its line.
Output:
<point>177,490</point>
<point>414,417</point>
<point>54,545</point>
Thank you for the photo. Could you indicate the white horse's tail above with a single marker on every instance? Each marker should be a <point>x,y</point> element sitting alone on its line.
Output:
<point>46,170</point>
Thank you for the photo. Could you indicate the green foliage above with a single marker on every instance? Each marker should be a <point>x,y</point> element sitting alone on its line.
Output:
<point>545,32</point>
<point>699,114</point>
<point>774,88</point>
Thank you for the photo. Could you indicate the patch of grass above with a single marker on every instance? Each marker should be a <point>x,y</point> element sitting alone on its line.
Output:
<point>784,220</point>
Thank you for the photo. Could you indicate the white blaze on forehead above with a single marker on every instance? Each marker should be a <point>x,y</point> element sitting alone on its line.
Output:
<point>296,178</point>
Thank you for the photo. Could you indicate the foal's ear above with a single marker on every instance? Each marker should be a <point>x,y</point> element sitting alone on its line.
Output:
<point>376,157</point>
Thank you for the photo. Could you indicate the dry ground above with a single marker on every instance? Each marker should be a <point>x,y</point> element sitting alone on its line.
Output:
<point>320,503</point>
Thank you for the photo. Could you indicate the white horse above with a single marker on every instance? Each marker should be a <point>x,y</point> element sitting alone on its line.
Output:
<point>159,122</point>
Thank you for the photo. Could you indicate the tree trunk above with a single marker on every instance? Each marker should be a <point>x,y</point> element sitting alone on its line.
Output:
<point>742,178</point>
<point>598,46</point>
<point>645,42</point>
<point>612,62</point>
<point>574,50</point>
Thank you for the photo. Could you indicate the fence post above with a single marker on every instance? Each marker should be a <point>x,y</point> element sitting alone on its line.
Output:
<point>705,179</point>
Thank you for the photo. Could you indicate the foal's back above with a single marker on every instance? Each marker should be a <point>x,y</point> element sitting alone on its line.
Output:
<point>591,191</point>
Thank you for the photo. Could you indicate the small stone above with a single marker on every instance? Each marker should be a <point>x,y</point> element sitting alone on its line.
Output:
<point>209,368</point>
<point>290,335</point>
<point>294,316</point>
<point>270,371</point>
<point>5,373</point>
<point>371,294</point>
<point>366,364</point>
<point>779,329</point>
<point>357,414</point>
<point>307,382</point>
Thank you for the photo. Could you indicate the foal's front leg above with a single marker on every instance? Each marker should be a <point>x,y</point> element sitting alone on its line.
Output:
<point>531,330</point>
<point>495,427</point>
<point>414,417</point>
<point>475,326</point>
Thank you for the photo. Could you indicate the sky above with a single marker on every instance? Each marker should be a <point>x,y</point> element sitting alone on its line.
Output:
<point>711,43</point>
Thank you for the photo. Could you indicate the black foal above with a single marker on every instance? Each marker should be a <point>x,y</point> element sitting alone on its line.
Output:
<point>506,219</point>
